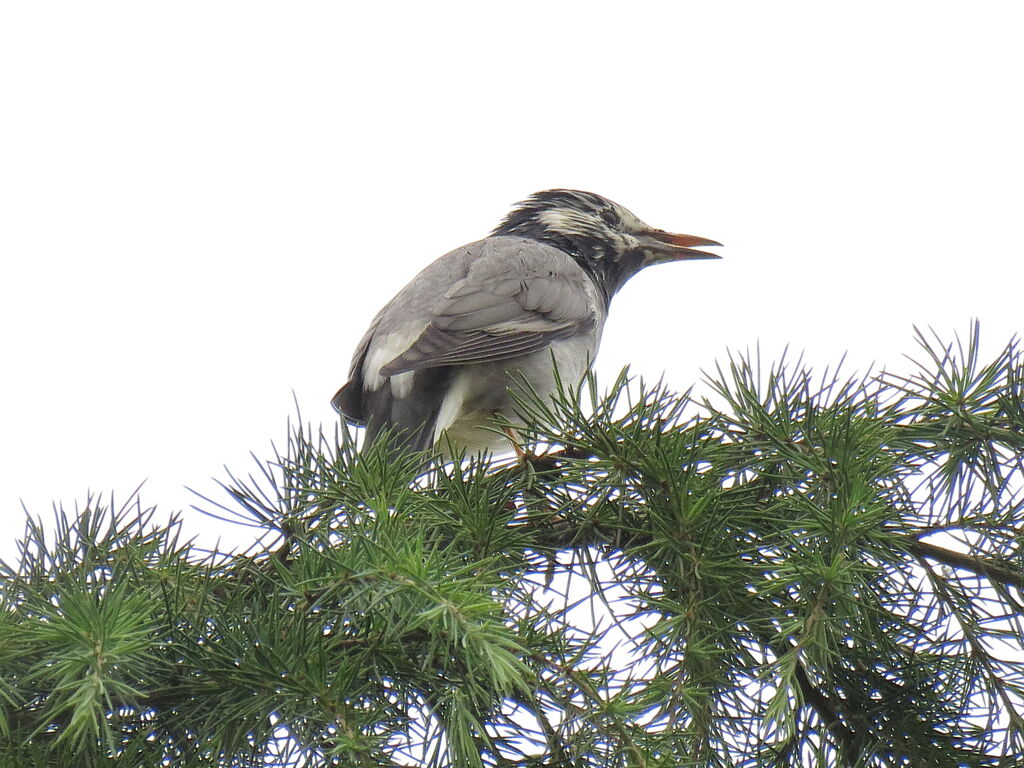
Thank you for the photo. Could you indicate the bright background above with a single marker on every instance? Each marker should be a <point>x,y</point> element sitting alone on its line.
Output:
<point>202,204</point>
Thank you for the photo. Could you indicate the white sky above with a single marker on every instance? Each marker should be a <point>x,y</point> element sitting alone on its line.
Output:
<point>202,204</point>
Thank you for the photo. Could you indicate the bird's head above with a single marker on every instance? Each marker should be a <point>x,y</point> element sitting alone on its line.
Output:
<point>603,237</point>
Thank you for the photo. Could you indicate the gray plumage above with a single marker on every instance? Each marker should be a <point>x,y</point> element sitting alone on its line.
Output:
<point>437,362</point>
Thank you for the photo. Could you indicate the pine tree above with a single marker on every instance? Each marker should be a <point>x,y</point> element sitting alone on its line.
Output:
<point>790,570</point>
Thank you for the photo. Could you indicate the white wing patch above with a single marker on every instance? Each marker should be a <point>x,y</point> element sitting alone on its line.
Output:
<point>382,351</point>
<point>401,384</point>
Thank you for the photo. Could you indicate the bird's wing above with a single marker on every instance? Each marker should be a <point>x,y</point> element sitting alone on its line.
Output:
<point>517,297</point>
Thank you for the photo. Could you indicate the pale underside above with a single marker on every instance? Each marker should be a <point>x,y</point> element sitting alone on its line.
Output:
<point>465,420</point>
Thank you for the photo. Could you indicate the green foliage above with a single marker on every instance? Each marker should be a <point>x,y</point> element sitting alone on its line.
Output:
<point>792,571</point>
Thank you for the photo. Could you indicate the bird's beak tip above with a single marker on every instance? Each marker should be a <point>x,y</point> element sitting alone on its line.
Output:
<point>683,247</point>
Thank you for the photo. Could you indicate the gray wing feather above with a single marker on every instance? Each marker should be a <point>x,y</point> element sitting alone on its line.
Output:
<point>518,297</point>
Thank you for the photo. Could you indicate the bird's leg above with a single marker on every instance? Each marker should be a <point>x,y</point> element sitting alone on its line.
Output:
<point>517,444</point>
<point>540,461</point>
<point>528,459</point>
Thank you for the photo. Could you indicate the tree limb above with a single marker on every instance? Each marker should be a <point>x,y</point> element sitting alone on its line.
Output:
<point>990,569</point>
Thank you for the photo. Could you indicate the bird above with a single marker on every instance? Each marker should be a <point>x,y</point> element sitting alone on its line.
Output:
<point>523,308</point>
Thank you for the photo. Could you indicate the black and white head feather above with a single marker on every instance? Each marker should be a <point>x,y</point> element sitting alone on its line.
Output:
<point>610,242</point>
<point>584,225</point>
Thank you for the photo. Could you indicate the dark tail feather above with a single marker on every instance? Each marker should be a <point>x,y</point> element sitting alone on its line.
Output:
<point>407,423</point>
<point>399,440</point>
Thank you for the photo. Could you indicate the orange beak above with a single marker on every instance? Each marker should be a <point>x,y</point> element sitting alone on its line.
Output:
<point>664,246</point>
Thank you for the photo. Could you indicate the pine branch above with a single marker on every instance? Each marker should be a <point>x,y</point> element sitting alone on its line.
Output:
<point>995,570</point>
<point>757,561</point>
<point>829,713</point>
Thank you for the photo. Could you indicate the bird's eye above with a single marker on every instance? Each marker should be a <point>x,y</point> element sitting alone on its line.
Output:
<point>609,217</point>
